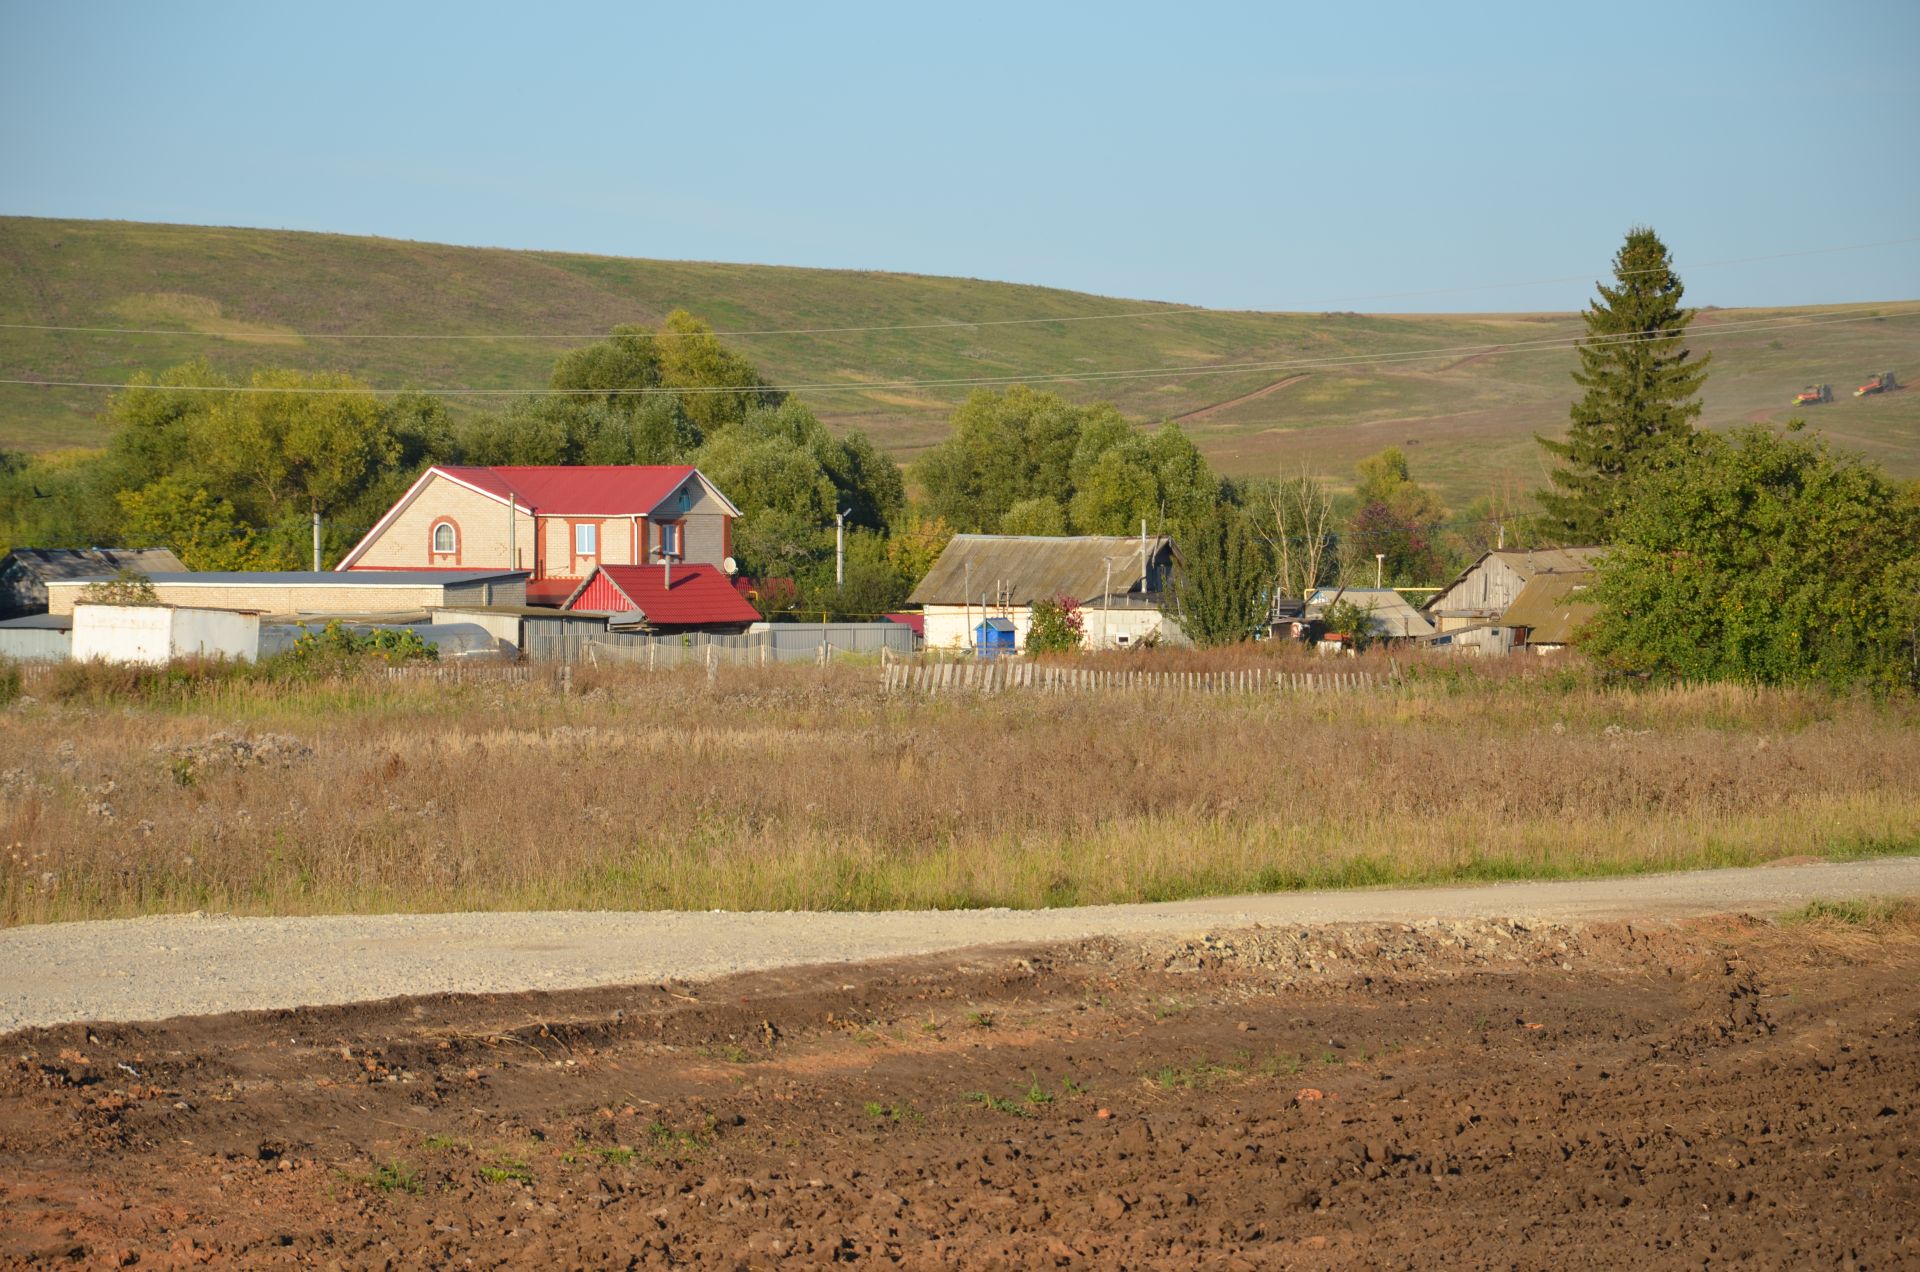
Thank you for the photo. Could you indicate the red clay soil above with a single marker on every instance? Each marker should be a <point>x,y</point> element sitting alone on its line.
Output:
<point>1465,1095</point>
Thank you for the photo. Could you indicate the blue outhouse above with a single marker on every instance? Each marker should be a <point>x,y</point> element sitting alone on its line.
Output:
<point>993,637</point>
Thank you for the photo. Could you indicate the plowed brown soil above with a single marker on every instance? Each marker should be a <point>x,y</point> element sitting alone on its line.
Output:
<point>1437,1095</point>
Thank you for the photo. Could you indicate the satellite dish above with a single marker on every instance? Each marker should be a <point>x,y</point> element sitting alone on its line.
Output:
<point>730,565</point>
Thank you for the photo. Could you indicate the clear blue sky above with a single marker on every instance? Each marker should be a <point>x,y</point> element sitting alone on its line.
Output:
<point>1258,156</point>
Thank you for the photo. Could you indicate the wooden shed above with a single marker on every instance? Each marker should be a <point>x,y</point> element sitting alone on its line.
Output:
<point>1482,592</point>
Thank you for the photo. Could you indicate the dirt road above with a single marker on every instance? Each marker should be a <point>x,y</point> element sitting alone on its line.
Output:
<point>1470,1094</point>
<point>149,969</point>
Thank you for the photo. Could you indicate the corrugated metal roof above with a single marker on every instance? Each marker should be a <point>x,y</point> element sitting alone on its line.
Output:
<point>1387,608</point>
<point>39,622</point>
<point>1027,568</point>
<point>1552,607</point>
<point>699,596</point>
<point>584,488</point>
<point>1550,560</point>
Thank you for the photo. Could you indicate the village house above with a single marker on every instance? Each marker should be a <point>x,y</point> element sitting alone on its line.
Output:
<point>1389,616</point>
<point>1481,593</point>
<point>1519,599</point>
<point>558,523</point>
<point>979,592</point>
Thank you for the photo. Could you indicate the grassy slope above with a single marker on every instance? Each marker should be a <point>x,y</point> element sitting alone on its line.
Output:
<point>1471,422</point>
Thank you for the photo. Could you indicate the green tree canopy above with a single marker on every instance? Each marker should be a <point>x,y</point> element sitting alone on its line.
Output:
<point>1764,559</point>
<point>1222,585</point>
<point>1040,515</point>
<point>1399,526</point>
<point>296,443</point>
<point>1640,385</point>
<point>1012,447</point>
<point>614,371</point>
<point>717,386</point>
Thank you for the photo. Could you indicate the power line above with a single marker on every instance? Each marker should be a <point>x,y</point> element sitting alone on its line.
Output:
<point>1549,344</point>
<point>958,324</point>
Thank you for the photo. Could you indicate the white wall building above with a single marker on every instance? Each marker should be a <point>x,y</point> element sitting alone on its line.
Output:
<point>1117,580</point>
<point>158,634</point>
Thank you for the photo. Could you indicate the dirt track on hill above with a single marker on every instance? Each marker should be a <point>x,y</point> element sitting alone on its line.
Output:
<point>1232,402</point>
<point>1474,1094</point>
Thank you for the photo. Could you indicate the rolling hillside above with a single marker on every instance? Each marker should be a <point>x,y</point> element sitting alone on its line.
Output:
<point>1468,414</point>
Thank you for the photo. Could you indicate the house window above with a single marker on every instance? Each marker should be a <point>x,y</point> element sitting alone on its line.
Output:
<point>670,538</point>
<point>446,539</point>
<point>586,540</point>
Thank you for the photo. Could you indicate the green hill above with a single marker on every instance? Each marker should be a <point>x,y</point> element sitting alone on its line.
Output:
<point>237,297</point>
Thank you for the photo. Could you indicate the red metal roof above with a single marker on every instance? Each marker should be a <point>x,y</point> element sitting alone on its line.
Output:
<point>581,488</point>
<point>546,591</point>
<point>700,596</point>
<point>916,620</point>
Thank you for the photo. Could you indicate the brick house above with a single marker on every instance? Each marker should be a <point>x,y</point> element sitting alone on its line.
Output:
<point>559,523</point>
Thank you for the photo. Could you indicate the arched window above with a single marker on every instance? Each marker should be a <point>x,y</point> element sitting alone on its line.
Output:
<point>445,538</point>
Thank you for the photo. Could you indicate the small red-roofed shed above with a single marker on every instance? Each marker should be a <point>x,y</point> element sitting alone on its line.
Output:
<point>681,598</point>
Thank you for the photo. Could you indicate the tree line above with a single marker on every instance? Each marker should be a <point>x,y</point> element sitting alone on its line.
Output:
<point>1759,555</point>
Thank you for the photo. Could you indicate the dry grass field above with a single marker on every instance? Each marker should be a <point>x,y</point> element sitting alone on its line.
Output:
<point>809,788</point>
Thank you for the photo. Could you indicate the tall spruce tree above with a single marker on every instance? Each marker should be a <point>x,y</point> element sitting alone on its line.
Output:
<point>1641,385</point>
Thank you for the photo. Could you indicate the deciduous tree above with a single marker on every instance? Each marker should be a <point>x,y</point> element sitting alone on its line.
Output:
<point>1764,559</point>
<point>1221,589</point>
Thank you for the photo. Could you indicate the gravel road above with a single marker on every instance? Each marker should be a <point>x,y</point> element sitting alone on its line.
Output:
<point>153,968</point>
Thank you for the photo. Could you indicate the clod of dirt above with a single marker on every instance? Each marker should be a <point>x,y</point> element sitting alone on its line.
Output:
<point>235,751</point>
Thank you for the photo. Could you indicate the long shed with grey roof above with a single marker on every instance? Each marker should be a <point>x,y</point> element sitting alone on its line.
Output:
<point>306,592</point>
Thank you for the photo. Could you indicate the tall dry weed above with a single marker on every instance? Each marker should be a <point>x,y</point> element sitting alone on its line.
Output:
<point>806,787</point>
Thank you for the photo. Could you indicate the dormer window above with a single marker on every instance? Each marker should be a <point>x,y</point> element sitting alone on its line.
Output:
<point>446,539</point>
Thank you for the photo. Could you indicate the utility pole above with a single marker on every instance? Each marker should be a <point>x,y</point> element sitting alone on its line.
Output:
<point>1106,601</point>
<point>840,548</point>
<point>966,603</point>
<point>316,541</point>
<point>1379,568</point>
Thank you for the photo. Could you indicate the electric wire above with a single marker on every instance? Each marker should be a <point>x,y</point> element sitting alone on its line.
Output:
<point>1549,344</point>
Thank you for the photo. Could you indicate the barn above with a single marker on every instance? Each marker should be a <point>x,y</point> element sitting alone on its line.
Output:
<point>1483,592</point>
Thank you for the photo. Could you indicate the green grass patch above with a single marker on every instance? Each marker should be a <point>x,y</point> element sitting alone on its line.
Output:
<point>1871,914</point>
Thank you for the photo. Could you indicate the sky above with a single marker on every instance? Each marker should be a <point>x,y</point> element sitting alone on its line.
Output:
<point>1384,157</point>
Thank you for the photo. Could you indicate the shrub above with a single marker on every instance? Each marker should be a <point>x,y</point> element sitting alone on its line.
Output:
<point>1344,618</point>
<point>1057,626</point>
<point>336,643</point>
<point>126,587</point>
<point>9,682</point>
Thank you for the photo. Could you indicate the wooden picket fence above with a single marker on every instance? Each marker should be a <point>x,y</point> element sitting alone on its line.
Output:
<point>1006,675</point>
<point>464,673</point>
